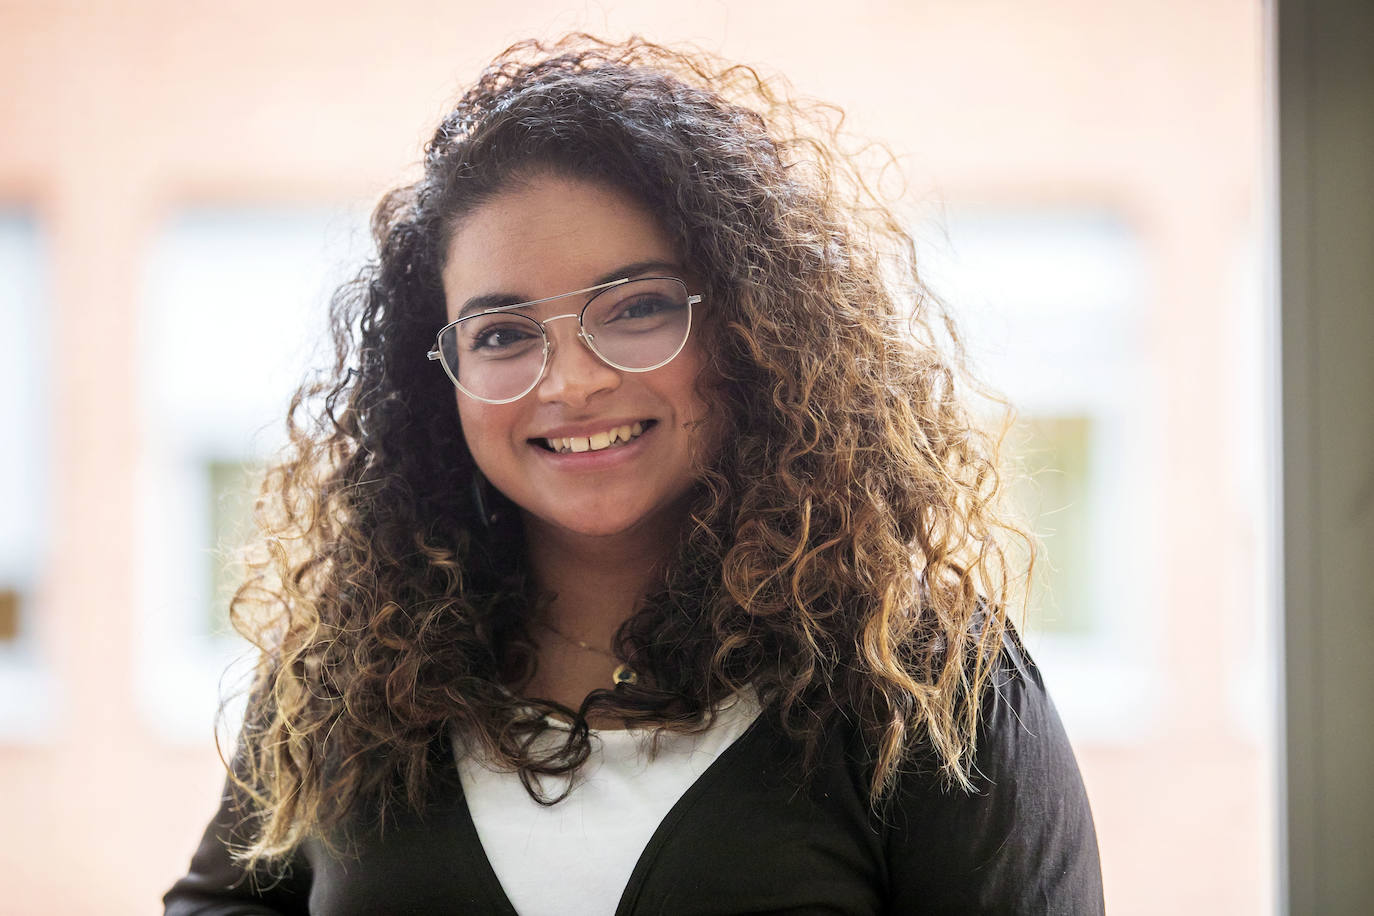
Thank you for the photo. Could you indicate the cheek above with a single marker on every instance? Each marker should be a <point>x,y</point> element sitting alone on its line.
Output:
<point>465,419</point>
<point>703,380</point>
<point>705,416</point>
<point>478,422</point>
<point>708,435</point>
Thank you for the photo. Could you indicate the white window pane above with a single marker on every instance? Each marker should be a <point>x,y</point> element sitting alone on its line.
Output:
<point>26,686</point>
<point>1050,305</point>
<point>233,317</point>
<point>24,373</point>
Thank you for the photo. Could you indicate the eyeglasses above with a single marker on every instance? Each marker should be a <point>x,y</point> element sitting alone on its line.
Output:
<point>499,355</point>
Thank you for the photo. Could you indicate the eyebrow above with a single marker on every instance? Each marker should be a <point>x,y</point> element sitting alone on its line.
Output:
<point>507,300</point>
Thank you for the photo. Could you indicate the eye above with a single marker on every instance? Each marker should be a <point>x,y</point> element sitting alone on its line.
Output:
<point>496,338</point>
<point>644,307</point>
<point>500,338</point>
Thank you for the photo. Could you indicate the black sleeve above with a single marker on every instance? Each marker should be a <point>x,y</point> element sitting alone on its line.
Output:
<point>1024,842</point>
<point>217,885</point>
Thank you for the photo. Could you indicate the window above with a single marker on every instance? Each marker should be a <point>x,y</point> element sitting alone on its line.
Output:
<point>1050,303</point>
<point>25,691</point>
<point>235,307</point>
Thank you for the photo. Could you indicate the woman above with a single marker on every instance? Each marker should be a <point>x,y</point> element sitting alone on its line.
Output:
<point>672,580</point>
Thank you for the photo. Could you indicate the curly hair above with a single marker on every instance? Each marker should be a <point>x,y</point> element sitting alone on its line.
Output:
<point>845,557</point>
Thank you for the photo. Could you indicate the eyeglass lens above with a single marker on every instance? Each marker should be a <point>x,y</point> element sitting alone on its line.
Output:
<point>635,326</point>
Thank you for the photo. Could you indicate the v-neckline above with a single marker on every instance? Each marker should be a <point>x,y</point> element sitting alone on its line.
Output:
<point>657,840</point>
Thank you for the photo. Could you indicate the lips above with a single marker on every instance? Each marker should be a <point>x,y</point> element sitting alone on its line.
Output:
<point>612,437</point>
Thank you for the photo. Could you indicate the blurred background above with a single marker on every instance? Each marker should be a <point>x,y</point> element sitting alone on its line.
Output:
<point>183,183</point>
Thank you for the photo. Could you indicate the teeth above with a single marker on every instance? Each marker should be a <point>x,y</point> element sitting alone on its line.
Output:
<point>598,441</point>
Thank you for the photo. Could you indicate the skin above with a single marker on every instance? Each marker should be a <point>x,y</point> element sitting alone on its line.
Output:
<point>598,524</point>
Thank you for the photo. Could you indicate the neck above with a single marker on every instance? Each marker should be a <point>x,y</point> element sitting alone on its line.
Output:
<point>597,582</point>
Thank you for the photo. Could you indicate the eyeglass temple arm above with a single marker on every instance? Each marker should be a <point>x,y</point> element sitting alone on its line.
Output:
<point>432,355</point>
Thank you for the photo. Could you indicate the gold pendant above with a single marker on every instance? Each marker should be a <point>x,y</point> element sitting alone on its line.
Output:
<point>624,674</point>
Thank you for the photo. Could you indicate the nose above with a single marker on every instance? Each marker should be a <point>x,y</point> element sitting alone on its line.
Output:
<point>574,373</point>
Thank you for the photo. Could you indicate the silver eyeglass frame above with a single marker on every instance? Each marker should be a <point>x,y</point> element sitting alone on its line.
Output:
<point>588,339</point>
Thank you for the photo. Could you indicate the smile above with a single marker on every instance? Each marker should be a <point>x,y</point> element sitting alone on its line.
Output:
<point>611,438</point>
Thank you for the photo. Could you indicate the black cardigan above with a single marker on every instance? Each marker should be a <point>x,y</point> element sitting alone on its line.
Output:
<point>750,836</point>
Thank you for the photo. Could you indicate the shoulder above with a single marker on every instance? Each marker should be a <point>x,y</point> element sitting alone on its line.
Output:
<point>1021,741</point>
<point>1023,840</point>
<point>217,883</point>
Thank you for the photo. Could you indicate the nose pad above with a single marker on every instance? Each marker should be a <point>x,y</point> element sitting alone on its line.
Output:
<point>573,372</point>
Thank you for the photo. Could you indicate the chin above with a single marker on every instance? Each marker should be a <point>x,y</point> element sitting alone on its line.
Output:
<point>599,521</point>
<point>601,529</point>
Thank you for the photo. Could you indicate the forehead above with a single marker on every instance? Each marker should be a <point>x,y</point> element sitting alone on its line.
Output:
<point>549,235</point>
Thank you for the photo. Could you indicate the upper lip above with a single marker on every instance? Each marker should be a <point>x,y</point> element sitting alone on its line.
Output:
<point>589,428</point>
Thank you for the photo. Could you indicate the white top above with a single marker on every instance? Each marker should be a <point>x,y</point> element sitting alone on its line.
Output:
<point>576,857</point>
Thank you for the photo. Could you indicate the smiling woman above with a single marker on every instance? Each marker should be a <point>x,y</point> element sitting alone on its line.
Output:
<point>681,588</point>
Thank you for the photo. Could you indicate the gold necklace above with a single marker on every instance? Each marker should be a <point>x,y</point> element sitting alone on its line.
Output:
<point>623,673</point>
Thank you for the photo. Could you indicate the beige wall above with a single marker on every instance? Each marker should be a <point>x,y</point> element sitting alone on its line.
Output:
<point>112,115</point>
